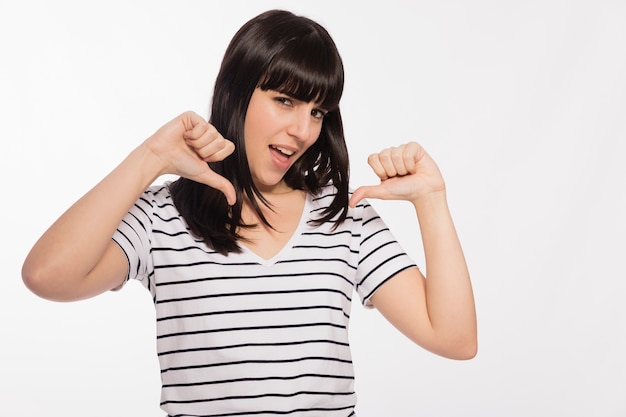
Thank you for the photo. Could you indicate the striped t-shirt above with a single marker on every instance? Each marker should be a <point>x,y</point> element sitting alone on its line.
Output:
<point>239,335</point>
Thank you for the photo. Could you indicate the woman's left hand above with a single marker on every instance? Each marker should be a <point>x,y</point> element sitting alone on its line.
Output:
<point>406,172</point>
<point>437,313</point>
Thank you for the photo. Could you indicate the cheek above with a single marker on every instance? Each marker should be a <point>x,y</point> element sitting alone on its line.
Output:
<point>261,123</point>
<point>253,125</point>
<point>315,135</point>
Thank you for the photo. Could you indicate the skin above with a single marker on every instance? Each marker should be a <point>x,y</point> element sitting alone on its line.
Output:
<point>437,313</point>
<point>274,121</point>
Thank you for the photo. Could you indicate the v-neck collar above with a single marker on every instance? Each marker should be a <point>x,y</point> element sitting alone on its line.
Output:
<point>290,243</point>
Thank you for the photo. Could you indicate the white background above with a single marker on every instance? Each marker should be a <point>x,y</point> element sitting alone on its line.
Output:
<point>522,104</point>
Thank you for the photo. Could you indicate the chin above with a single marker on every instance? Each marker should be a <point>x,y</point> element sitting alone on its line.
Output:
<point>269,183</point>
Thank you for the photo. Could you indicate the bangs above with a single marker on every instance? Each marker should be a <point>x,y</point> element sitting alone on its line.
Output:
<point>306,70</point>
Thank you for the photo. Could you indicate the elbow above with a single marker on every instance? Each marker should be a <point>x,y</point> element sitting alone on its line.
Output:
<point>57,283</point>
<point>466,352</point>
<point>35,280</point>
<point>41,282</point>
<point>462,349</point>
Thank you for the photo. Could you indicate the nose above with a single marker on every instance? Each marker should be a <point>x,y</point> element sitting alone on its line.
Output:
<point>300,124</point>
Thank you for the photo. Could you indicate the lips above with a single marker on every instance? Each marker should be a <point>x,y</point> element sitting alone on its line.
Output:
<point>282,156</point>
<point>286,152</point>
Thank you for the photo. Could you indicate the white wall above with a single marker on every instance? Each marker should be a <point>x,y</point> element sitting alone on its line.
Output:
<point>522,104</point>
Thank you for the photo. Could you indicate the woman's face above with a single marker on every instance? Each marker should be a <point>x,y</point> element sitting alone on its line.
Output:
<point>278,130</point>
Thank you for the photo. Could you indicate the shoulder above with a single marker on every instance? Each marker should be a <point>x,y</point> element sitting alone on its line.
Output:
<point>158,192</point>
<point>319,202</point>
<point>154,200</point>
<point>157,195</point>
<point>324,196</point>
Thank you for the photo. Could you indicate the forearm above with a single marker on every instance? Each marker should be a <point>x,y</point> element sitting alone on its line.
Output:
<point>73,245</point>
<point>449,295</point>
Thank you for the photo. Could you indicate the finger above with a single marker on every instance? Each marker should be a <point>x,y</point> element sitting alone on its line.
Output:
<point>386,159</point>
<point>215,150</point>
<point>191,120</point>
<point>412,153</point>
<point>214,180</point>
<point>223,152</point>
<point>208,143</point>
<point>199,130</point>
<point>398,158</point>
<point>374,161</point>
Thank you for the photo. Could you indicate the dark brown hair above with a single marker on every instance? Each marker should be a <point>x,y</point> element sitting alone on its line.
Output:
<point>296,56</point>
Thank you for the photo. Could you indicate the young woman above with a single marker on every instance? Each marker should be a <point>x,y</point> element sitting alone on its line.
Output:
<point>253,254</point>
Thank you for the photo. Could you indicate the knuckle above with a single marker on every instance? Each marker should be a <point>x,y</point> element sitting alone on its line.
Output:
<point>213,131</point>
<point>397,157</point>
<point>385,155</point>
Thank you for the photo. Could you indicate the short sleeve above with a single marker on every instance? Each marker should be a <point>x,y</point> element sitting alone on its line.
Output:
<point>133,237</point>
<point>380,255</point>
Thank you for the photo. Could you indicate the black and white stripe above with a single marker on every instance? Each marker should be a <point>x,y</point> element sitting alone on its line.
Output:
<point>239,335</point>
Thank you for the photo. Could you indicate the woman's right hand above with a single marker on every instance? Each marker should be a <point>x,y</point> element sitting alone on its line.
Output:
<point>76,258</point>
<point>185,145</point>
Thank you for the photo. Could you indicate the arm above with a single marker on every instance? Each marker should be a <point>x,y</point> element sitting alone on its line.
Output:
<point>437,313</point>
<point>76,258</point>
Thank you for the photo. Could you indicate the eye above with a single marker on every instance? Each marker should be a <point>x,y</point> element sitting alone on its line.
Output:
<point>285,101</point>
<point>318,114</point>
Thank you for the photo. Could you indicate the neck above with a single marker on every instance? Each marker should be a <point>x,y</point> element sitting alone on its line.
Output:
<point>279,203</point>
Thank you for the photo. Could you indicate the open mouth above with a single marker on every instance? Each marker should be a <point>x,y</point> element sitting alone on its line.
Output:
<point>285,152</point>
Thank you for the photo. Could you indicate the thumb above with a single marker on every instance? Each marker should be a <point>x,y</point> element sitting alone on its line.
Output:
<point>361,193</point>
<point>380,191</point>
<point>215,180</point>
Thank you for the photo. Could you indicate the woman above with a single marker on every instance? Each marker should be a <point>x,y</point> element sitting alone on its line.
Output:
<point>253,254</point>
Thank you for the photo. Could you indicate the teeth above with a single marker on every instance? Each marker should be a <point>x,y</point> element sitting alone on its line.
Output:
<point>283,150</point>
